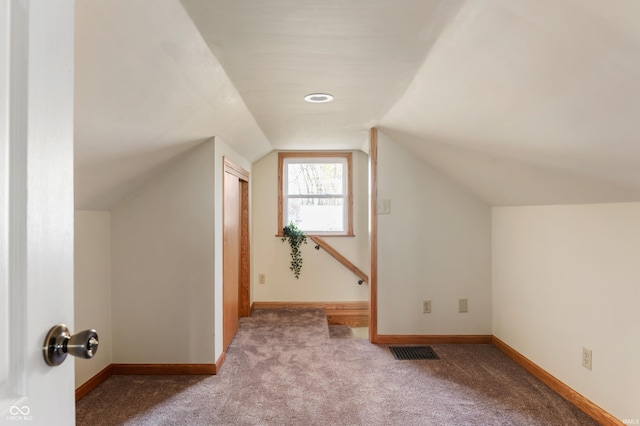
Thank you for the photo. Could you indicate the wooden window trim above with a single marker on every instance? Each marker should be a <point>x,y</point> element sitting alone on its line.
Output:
<point>348,156</point>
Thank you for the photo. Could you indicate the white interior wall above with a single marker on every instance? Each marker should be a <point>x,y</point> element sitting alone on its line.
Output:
<point>564,278</point>
<point>162,248</point>
<point>222,150</point>
<point>434,245</point>
<point>322,279</point>
<point>92,288</point>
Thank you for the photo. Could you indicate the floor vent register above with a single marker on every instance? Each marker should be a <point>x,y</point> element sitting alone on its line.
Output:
<point>413,352</point>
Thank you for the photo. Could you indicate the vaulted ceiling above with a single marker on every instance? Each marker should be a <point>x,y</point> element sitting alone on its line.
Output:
<point>522,102</point>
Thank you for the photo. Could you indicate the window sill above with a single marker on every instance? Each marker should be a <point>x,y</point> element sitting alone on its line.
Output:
<point>280,235</point>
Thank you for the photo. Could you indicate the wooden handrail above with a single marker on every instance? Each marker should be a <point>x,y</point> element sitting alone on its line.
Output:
<point>340,258</point>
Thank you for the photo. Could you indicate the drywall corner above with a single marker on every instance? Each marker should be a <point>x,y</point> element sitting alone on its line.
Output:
<point>92,288</point>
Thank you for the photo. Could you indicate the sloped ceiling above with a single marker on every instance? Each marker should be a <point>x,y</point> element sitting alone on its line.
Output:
<point>364,52</point>
<point>522,102</point>
<point>147,89</point>
<point>531,102</point>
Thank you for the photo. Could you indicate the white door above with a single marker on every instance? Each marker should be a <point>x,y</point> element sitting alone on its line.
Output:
<point>36,207</point>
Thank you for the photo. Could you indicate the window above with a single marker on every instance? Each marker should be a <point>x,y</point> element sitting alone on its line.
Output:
<point>314,192</point>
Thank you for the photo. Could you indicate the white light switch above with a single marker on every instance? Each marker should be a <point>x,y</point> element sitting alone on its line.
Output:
<point>384,206</point>
<point>586,358</point>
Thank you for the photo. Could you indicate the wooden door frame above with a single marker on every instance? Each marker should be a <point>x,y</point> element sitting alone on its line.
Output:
<point>373,236</point>
<point>244,286</point>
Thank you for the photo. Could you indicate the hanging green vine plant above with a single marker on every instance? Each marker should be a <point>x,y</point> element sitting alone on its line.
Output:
<point>296,238</point>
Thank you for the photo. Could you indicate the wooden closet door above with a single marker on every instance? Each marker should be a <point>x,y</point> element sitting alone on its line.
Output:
<point>231,257</point>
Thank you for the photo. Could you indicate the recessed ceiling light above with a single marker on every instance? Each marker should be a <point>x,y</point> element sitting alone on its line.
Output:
<point>318,98</point>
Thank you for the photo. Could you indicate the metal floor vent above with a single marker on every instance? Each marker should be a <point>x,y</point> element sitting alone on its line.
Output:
<point>413,352</point>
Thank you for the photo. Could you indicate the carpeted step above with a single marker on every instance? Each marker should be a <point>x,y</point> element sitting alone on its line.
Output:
<point>283,326</point>
<point>340,332</point>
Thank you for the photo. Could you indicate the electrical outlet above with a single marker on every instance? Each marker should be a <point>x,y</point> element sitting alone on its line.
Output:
<point>426,306</point>
<point>586,358</point>
<point>462,305</point>
<point>262,279</point>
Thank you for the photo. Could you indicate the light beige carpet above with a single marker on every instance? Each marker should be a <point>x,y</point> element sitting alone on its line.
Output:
<point>284,369</point>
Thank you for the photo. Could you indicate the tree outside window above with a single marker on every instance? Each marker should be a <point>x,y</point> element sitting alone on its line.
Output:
<point>315,192</point>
